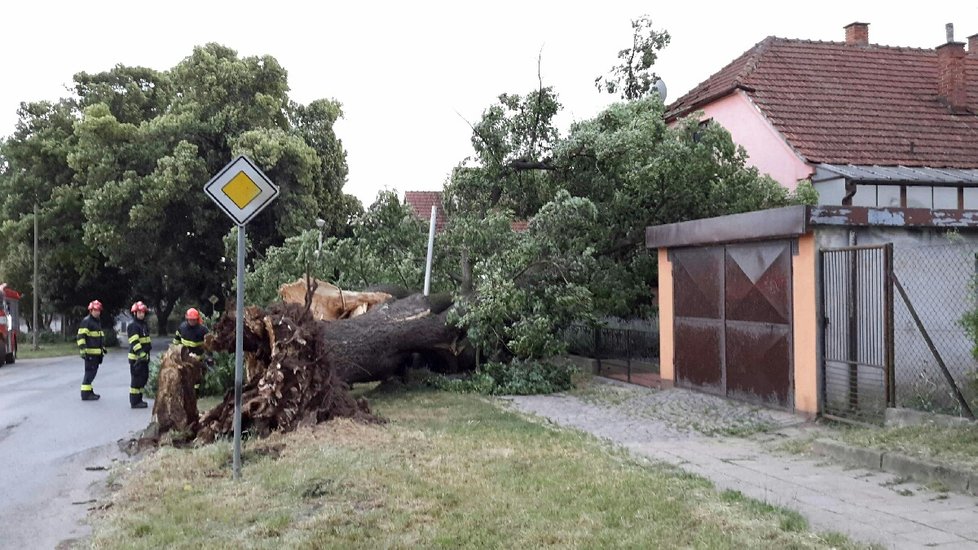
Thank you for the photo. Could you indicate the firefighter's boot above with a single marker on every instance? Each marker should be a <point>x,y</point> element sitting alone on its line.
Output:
<point>87,394</point>
<point>136,399</point>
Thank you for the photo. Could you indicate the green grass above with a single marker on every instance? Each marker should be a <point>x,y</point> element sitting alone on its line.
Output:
<point>448,470</point>
<point>958,446</point>
<point>58,349</point>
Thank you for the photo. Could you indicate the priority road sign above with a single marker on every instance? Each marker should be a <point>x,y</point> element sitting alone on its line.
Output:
<point>241,190</point>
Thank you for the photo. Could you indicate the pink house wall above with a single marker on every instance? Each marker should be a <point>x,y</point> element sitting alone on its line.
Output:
<point>766,149</point>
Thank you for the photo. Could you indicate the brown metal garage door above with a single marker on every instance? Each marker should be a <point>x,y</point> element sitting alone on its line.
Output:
<point>733,320</point>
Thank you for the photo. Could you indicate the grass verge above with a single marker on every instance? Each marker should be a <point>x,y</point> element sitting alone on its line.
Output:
<point>449,470</point>
<point>957,445</point>
<point>58,349</point>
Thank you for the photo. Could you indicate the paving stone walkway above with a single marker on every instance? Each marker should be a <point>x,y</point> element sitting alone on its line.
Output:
<point>672,426</point>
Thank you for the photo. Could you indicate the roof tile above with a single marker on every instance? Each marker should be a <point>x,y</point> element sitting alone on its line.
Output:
<point>850,104</point>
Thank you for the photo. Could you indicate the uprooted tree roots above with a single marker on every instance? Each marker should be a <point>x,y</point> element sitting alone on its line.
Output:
<point>295,386</point>
<point>299,369</point>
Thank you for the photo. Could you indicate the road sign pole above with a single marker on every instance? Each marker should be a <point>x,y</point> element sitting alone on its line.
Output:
<point>241,190</point>
<point>239,352</point>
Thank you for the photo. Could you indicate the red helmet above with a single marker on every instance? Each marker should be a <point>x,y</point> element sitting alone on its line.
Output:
<point>139,306</point>
<point>95,305</point>
<point>193,314</point>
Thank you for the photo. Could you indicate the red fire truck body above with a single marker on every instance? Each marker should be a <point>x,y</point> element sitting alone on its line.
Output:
<point>9,323</point>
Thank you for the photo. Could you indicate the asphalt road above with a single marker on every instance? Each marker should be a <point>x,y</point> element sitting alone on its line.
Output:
<point>48,437</point>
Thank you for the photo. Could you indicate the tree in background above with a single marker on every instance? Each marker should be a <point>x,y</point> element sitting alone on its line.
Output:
<point>386,245</point>
<point>34,168</point>
<point>640,172</point>
<point>633,77</point>
<point>534,283</point>
<point>510,173</point>
<point>119,171</point>
<point>611,177</point>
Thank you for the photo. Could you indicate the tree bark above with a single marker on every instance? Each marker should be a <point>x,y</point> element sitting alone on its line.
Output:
<point>163,309</point>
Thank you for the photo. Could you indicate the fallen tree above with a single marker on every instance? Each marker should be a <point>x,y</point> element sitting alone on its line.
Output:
<point>300,369</point>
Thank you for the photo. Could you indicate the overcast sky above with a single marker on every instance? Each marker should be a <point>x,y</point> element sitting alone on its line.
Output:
<point>410,73</point>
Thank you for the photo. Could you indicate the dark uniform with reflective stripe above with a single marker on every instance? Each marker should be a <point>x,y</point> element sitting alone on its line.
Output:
<point>91,347</point>
<point>140,345</point>
<point>192,338</point>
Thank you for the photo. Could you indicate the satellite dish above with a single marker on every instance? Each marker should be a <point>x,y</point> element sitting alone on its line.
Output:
<point>660,88</point>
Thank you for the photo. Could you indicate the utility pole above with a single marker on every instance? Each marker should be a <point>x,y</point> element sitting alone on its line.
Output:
<point>431,247</point>
<point>35,326</point>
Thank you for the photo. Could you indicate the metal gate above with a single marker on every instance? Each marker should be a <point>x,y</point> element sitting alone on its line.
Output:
<point>733,320</point>
<point>857,332</point>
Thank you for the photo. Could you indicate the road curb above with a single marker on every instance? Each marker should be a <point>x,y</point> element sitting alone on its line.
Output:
<point>854,456</point>
<point>955,479</point>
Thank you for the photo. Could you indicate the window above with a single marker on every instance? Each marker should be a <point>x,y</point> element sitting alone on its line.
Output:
<point>946,198</point>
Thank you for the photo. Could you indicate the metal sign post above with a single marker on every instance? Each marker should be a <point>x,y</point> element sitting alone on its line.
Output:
<point>241,190</point>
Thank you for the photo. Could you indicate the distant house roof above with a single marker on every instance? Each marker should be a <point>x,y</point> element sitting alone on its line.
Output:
<point>422,201</point>
<point>841,103</point>
<point>899,174</point>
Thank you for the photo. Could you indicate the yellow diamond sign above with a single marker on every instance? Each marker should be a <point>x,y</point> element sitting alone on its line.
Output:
<point>241,190</point>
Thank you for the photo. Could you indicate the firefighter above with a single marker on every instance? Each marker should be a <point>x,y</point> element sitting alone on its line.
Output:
<point>190,334</point>
<point>140,345</point>
<point>91,346</point>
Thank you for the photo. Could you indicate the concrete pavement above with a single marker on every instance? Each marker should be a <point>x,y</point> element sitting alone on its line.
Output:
<point>872,507</point>
<point>48,437</point>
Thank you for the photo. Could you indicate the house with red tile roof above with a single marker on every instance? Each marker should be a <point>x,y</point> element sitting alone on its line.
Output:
<point>869,125</point>
<point>422,201</point>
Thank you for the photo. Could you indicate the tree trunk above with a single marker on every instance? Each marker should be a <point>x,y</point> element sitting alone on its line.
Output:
<point>163,309</point>
<point>466,273</point>
<point>300,369</point>
<point>176,405</point>
<point>376,345</point>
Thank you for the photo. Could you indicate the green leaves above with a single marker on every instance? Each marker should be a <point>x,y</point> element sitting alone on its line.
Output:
<point>633,77</point>
<point>533,286</point>
<point>118,171</point>
<point>387,246</point>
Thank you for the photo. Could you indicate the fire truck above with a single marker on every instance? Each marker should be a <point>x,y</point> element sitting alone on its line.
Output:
<point>9,323</point>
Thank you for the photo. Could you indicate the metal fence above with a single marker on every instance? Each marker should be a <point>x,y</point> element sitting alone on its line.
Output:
<point>935,368</point>
<point>628,351</point>
<point>857,332</point>
<point>893,331</point>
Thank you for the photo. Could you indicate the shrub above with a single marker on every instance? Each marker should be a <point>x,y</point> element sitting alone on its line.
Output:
<point>220,377</point>
<point>45,337</point>
<point>217,380</point>
<point>515,378</point>
<point>154,376</point>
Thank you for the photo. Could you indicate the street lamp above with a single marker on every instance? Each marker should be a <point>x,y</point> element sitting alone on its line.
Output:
<point>320,223</point>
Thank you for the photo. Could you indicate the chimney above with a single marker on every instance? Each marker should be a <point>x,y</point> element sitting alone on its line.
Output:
<point>952,83</point>
<point>973,44</point>
<point>857,34</point>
